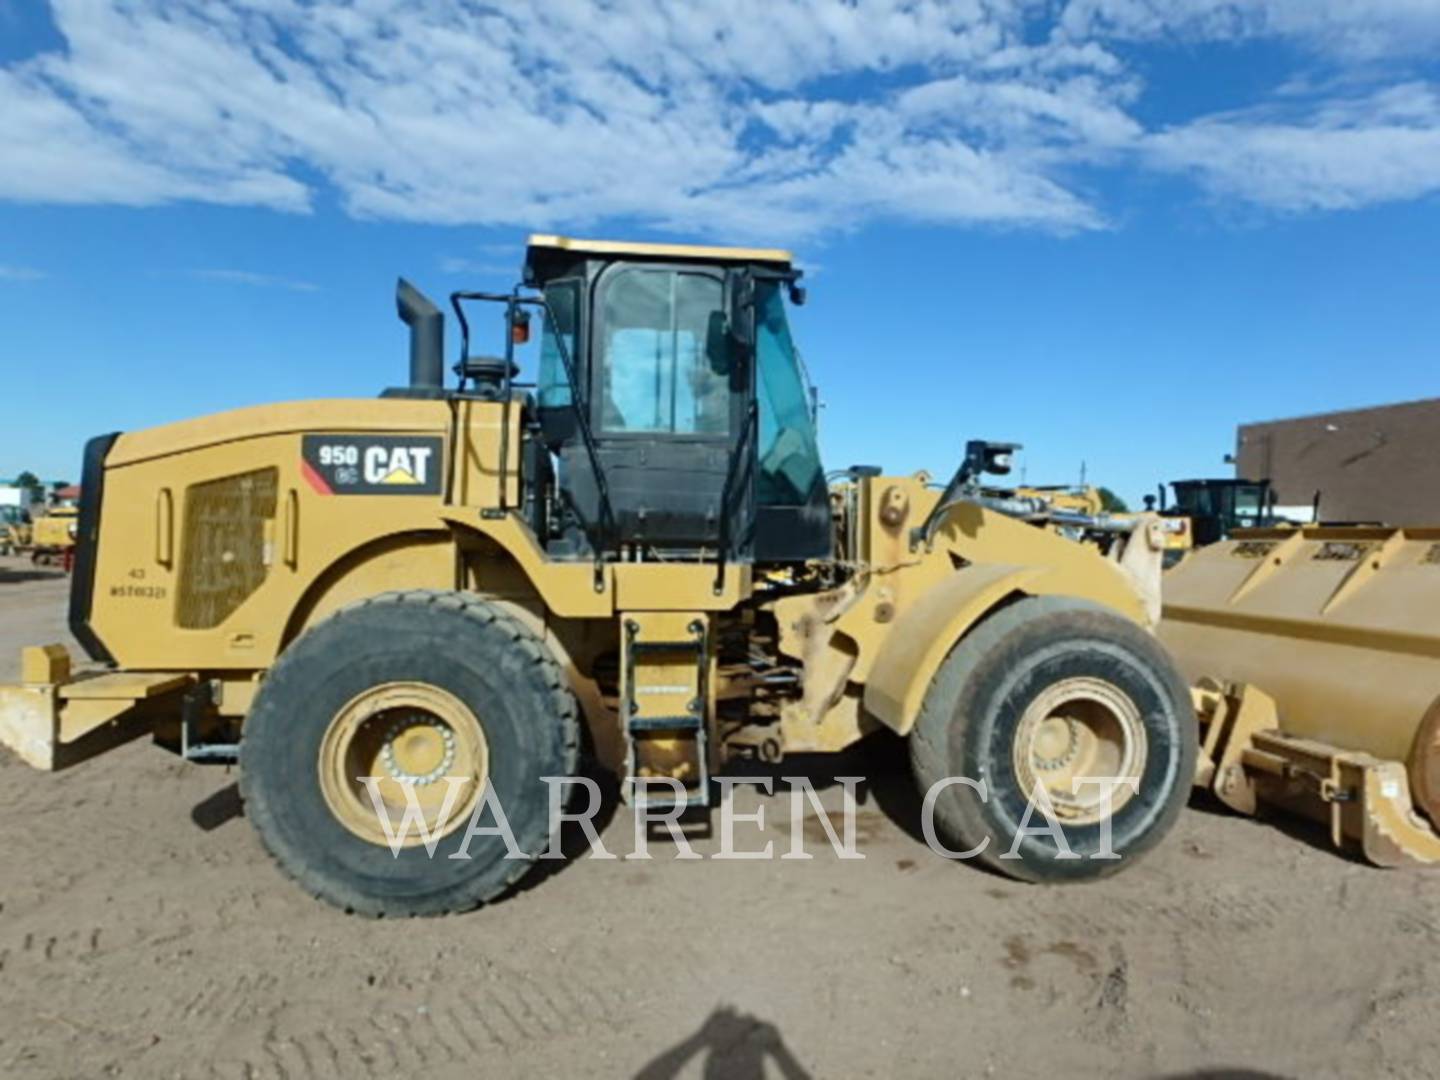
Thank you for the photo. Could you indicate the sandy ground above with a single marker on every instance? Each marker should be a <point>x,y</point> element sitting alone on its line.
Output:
<point>143,932</point>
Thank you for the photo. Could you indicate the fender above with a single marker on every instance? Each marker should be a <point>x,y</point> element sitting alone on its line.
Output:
<point>568,589</point>
<point>925,633</point>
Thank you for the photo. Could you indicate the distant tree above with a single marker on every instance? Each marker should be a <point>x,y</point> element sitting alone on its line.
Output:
<point>30,482</point>
<point>1112,503</point>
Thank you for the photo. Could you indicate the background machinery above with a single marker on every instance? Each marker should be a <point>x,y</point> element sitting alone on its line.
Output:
<point>52,535</point>
<point>1217,507</point>
<point>14,530</point>
<point>456,591</point>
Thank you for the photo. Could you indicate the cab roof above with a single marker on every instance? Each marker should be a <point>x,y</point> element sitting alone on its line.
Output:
<point>541,243</point>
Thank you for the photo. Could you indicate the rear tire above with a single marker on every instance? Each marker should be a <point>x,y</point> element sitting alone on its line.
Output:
<point>1042,692</point>
<point>411,687</point>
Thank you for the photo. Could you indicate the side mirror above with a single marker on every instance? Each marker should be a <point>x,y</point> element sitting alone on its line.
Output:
<point>742,308</point>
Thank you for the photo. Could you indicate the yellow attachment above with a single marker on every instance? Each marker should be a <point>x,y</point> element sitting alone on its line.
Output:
<point>1335,625</point>
<point>1365,801</point>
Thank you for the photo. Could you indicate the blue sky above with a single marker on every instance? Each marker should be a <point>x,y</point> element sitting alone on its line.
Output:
<point>1108,229</point>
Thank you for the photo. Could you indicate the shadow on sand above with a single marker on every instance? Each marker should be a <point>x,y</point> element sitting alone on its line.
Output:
<point>735,1046</point>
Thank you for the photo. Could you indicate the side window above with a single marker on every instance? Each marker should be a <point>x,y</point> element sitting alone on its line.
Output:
<point>563,297</point>
<point>665,359</point>
<point>789,454</point>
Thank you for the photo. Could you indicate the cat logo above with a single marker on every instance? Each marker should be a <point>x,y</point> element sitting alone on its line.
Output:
<point>372,464</point>
<point>397,465</point>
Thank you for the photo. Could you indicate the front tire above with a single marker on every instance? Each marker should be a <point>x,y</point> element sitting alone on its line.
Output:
<point>412,688</point>
<point>1040,694</point>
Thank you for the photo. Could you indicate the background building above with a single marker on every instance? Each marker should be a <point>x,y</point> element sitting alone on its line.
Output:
<point>1379,464</point>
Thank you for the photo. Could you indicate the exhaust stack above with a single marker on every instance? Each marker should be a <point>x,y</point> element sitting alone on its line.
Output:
<point>427,339</point>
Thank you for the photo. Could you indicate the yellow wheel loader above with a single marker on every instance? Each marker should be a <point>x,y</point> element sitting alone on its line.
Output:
<point>52,535</point>
<point>431,602</point>
<point>15,531</point>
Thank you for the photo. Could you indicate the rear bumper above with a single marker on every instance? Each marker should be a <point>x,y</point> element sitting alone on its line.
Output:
<point>52,720</point>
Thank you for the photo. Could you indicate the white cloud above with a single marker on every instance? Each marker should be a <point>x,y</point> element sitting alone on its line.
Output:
<point>1355,28</point>
<point>60,154</point>
<point>250,278</point>
<point>756,118</point>
<point>694,118</point>
<point>1337,155</point>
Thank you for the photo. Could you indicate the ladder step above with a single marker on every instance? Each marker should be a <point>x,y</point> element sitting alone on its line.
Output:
<point>665,660</point>
<point>693,797</point>
<point>688,645</point>
<point>664,723</point>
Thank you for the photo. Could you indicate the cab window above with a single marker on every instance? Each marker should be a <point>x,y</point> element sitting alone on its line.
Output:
<point>563,300</point>
<point>789,455</point>
<point>664,356</point>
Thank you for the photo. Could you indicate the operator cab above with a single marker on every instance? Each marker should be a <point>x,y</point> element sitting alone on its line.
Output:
<point>1217,507</point>
<point>674,404</point>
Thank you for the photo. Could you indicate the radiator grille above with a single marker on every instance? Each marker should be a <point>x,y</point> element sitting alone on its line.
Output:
<point>222,558</point>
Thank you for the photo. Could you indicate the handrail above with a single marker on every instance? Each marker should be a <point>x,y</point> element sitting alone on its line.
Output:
<point>512,300</point>
<point>751,412</point>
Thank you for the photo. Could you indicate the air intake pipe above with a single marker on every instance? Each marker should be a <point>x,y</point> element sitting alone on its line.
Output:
<point>427,337</point>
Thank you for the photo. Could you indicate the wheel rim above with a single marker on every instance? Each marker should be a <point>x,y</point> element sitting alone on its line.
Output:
<point>411,736</point>
<point>1080,727</point>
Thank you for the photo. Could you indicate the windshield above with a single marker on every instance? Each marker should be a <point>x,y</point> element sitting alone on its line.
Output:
<point>789,455</point>
<point>1193,499</point>
<point>665,356</point>
<point>1238,504</point>
<point>1249,504</point>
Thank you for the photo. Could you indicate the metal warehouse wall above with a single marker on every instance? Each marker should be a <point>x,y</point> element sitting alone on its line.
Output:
<point>1380,464</point>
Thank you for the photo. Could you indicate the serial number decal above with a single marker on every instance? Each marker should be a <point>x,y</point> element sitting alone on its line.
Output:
<point>372,464</point>
<point>137,592</point>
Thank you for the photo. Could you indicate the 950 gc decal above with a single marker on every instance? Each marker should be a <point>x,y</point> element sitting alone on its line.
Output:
<point>372,464</point>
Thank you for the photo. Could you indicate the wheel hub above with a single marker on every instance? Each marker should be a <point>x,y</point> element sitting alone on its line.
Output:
<point>1056,743</point>
<point>389,748</point>
<point>1080,728</point>
<point>418,750</point>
